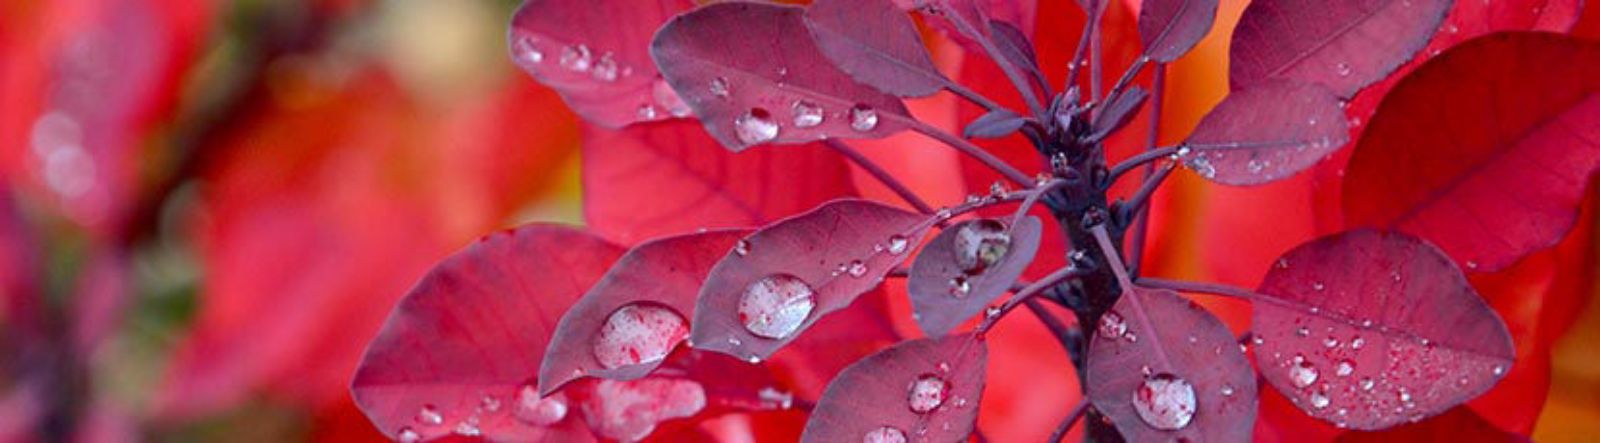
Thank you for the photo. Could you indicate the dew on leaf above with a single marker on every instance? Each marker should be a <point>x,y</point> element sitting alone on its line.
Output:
<point>1344,368</point>
<point>1302,374</point>
<point>408,435</point>
<point>1165,401</point>
<point>885,434</point>
<point>863,118</point>
<point>468,427</point>
<point>742,248</point>
<point>776,306</point>
<point>1343,69</point>
<point>1367,383</point>
<point>540,411</point>
<point>755,126</point>
<point>719,87</point>
<point>429,415</point>
<point>576,58</point>
<point>668,99</point>
<point>806,114</point>
<point>1357,343</point>
<point>605,70</point>
<point>898,244</point>
<point>980,245</point>
<point>638,333</point>
<point>1319,400</point>
<point>525,50</point>
<point>1499,370</point>
<point>1227,390</point>
<point>926,393</point>
<point>960,286</point>
<point>1112,326</point>
<point>857,269</point>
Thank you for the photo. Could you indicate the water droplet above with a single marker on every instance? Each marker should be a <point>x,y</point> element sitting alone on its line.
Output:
<point>605,70</point>
<point>1318,286</point>
<point>646,112</point>
<point>991,312</point>
<point>489,404</point>
<point>668,99</point>
<point>1498,370</point>
<point>1367,383</point>
<point>1302,374</point>
<point>1343,69</point>
<point>775,397</point>
<point>719,87</point>
<point>1302,331</point>
<point>742,248</point>
<point>1131,337</point>
<point>755,126</point>
<point>806,114</point>
<point>1227,390</point>
<point>927,393</point>
<point>1202,165</point>
<point>540,411</point>
<point>1255,166</point>
<point>960,286</point>
<point>863,118</point>
<point>525,50</point>
<point>576,58</point>
<point>1112,326</point>
<point>1165,402</point>
<point>1358,343</point>
<point>857,269</point>
<point>1344,368</point>
<point>776,306</point>
<point>429,415</point>
<point>1283,263</point>
<point>885,434</point>
<point>898,244</point>
<point>981,244</point>
<point>638,333</point>
<point>1472,264</point>
<point>407,435</point>
<point>1319,400</point>
<point>468,427</point>
<point>997,189</point>
<point>1405,396</point>
<point>1330,342</point>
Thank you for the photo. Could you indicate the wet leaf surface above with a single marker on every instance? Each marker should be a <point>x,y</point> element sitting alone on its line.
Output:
<point>876,43</point>
<point>1266,133</point>
<point>963,269</point>
<point>1343,45</point>
<point>1170,28</point>
<point>919,390</point>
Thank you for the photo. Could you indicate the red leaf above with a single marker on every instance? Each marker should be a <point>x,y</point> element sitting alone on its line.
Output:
<point>925,389</point>
<point>753,77</point>
<point>1266,133</point>
<point>629,322</point>
<point>1456,425</point>
<point>1015,46</point>
<point>876,43</point>
<point>967,266</point>
<point>473,329</point>
<point>1170,28</point>
<point>596,54</point>
<point>781,279</point>
<point>833,343</point>
<point>1345,45</point>
<point>1500,175</point>
<point>1163,368</point>
<point>1369,329</point>
<point>995,124</point>
<point>666,178</point>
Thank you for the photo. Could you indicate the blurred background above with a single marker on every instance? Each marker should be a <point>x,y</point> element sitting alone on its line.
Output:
<point>208,207</point>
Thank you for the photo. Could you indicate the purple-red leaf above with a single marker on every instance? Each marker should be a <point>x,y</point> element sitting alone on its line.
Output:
<point>965,267</point>
<point>1170,28</point>
<point>876,43</point>
<point>472,333</point>
<point>1266,133</point>
<point>1345,45</point>
<point>1015,46</point>
<point>595,53</point>
<point>1369,329</point>
<point>995,124</point>
<point>1164,369</point>
<point>753,76</point>
<point>629,322</point>
<point>781,279</point>
<point>923,390</point>
<point>1458,425</point>
<point>1485,150</point>
<point>1118,111</point>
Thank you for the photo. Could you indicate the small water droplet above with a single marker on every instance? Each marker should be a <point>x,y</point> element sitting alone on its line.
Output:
<point>525,50</point>
<point>540,411</point>
<point>927,392</point>
<point>1367,383</point>
<point>1131,337</point>
<point>991,312</point>
<point>997,189</point>
<point>1165,402</point>
<point>1343,69</point>
<point>742,248</point>
<point>863,118</point>
<point>1344,368</point>
<point>776,306</point>
<point>981,244</point>
<point>1498,370</point>
<point>1405,396</point>
<point>1302,374</point>
<point>638,333</point>
<point>489,404</point>
<point>1358,343</point>
<point>1319,400</point>
<point>576,58</point>
<point>1283,263</point>
<point>646,112</point>
<point>1318,286</point>
<point>407,435</point>
<point>806,114</point>
<point>776,398</point>
<point>755,126</point>
<point>1472,264</point>
<point>960,286</point>
<point>1227,390</point>
<point>719,87</point>
<point>1302,331</point>
<point>884,434</point>
<point>898,244</point>
<point>668,99</point>
<point>857,269</point>
<point>1255,166</point>
<point>1330,342</point>
<point>429,415</point>
<point>468,427</point>
<point>1112,326</point>
<point>605,70</point>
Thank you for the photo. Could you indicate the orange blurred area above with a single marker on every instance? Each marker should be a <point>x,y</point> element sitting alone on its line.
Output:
<point>208,208</point>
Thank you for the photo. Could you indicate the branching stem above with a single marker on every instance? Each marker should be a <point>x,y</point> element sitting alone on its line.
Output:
<point>1198,287</point>
<point>966,147</point>
<point>879,173</point>
<point>1070,420</point>
<point>1141,219</point>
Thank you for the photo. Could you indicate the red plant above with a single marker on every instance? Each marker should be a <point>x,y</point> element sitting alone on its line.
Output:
<point>1477,159</point>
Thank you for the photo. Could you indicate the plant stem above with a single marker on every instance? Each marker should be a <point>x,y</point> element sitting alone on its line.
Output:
<point>1108,251</point>
<point>972,96</point>
<point>1141,158</point>
<point>1034,196</point>
<point>1136,204</point>
<point>1198,287</point>
<point>1055,278</point>
<point>1141,219</point>
<point>1127,76</point>
<point>1061,331</point>
<point>970,149</point>
<point>1017,80</point>
<point>883,176</point>
<point>1093,15</point>
<point>1070,420</point>
<point>1095,58</point>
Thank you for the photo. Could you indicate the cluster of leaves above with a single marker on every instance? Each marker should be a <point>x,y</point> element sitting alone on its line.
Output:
<point>1369,328</point>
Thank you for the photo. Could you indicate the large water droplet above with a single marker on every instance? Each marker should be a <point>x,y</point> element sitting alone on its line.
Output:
<point>1112,326</point>
<point>637,333</point>
<point>1302,374</point>
<point>806,114</point>
<point>927,393</point>
<point>898,244</point>
<point>980,244</point>
<point>776,306</point>
<point>719,87</point>
<point>755,126</point>
<point>540,411</point>
<point>885,434</point>
<point>576,58</point>
<point>429,415</point>
<point>1165,402</point>
<point>863,118</point>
